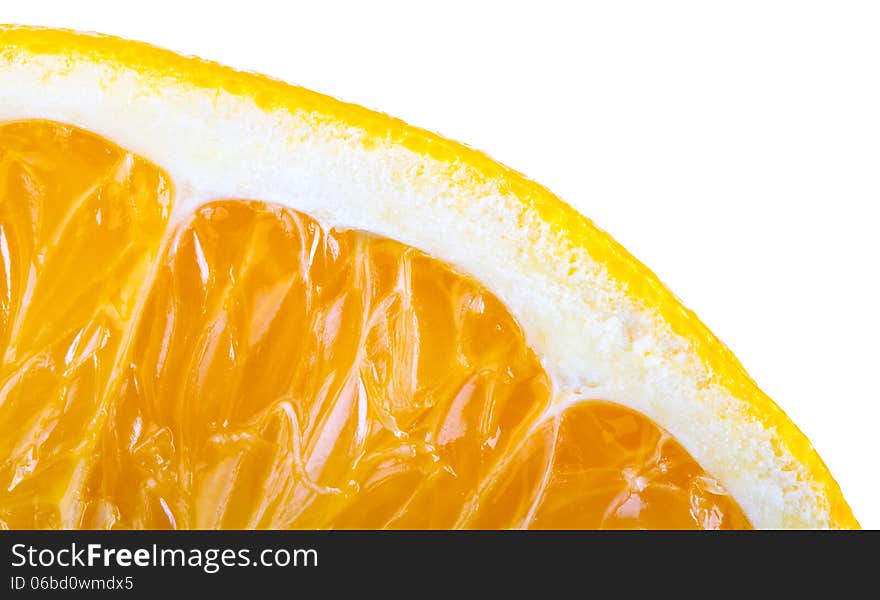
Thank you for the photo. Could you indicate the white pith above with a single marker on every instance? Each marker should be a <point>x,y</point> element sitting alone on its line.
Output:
<point>594,341</point>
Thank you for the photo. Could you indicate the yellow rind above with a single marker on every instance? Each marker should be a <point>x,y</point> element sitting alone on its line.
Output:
<point>572,229</point>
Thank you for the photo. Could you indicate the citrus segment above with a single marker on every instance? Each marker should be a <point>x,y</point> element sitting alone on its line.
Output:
<point>602,466</point>
<point>80,225</point>
<point>284,376</point>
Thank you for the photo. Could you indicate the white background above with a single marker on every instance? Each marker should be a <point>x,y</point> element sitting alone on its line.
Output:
<point>734,147</point>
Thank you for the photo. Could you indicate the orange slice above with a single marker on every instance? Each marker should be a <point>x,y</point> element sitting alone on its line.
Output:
<point>226,302</point>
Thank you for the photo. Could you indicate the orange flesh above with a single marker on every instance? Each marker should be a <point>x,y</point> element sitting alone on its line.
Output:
<point>246,368</point>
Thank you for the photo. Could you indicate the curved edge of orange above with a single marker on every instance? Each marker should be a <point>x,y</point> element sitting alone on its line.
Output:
<point>640,283</point>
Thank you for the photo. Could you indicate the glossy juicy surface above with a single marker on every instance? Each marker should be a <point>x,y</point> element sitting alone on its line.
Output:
<point>242,367</point>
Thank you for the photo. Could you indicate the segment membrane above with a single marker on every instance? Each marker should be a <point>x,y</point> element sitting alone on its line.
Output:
<point>246,368</point>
